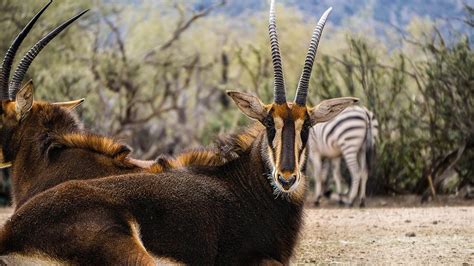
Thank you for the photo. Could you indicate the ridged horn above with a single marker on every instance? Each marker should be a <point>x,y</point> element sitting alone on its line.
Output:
<point>11,52</point>
<point>303,84</point>
<point>33,52</point>
<point>279,82</point>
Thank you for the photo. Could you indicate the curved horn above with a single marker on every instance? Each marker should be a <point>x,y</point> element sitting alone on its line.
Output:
<point>33,52</point>
<point>11,52</point>
<point>279,82</point>
<point>302,90</point>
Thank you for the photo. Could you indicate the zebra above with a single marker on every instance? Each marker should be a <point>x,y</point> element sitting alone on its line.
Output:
<point>350,135</point>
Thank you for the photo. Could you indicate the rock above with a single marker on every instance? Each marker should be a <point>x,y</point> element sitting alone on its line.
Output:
<point>410,234</point>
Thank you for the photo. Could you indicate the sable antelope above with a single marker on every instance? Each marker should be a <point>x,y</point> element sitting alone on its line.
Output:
<point>350,135</point>
<point>239,203</point>
<point>45,143</point>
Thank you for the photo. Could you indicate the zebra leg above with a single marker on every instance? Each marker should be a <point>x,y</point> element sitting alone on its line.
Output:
<point>318,180</point>
<point>336,169</point>
<point>324,177</point>
<point>354,169</point>
<point>363,183</point>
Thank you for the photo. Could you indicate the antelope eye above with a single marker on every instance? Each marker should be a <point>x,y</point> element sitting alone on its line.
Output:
<point>268,122</point>
<point>271,131</point>
<point>305,131</point>
<point>307,124</point>
<point>270,126</point>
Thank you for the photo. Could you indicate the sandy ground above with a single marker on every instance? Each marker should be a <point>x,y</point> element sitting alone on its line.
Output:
<point>433,235</point>
<point>383,235</point>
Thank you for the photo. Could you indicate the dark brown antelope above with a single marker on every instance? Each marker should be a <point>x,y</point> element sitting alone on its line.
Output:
<point>45,143</point>
<point>239,203</point>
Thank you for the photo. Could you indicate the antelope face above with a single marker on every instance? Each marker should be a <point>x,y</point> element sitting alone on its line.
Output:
<point>287,123</point>
<point>287,129</point>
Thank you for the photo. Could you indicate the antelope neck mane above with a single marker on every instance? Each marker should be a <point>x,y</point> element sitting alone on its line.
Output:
<point>226,149</point>
<point>94,143</point>
<point>63,130</point>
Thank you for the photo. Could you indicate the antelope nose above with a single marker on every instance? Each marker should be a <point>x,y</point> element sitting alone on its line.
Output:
<point>286,183</point>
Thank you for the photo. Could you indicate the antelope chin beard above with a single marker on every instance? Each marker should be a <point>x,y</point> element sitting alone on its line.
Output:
<point>278,190</point>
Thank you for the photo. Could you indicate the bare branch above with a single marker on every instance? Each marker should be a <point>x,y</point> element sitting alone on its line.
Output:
<point>182,27</point>
<point>345,63</point>
<point>118,38</point>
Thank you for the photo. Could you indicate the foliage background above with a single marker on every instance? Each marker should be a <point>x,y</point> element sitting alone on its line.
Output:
<point>154,73</point>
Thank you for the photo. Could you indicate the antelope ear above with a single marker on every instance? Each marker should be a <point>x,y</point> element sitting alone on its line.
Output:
<point>328,109</point>
<point>249,104</point>
<point>24,101</point>
<point>71,104</point>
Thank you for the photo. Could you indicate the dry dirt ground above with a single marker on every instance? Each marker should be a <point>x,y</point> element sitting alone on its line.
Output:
<point>383,234</point>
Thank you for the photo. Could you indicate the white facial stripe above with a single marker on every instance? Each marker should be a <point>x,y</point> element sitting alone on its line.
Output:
<point>298,144</point>
<point>277,140</point>
<point>298,128</point>
<point>296,191</point>
<point>270,159</point>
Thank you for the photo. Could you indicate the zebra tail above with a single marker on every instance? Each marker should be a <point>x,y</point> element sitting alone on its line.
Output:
<point>369,145</point>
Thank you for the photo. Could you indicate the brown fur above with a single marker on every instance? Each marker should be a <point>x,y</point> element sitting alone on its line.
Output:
<point>289,110</point>
<point>199,214</point>
<point>212,206</point>
<point>226,149</point>
<point>280,110</point>
<point>206,207</point>
<point>95,143</point>
<point>299,112</point>
<point>50,147</point>
<point>203,207</point>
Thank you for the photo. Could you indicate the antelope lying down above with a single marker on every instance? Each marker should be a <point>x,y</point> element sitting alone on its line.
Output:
<point>240,203</point>
<point>44,143</point>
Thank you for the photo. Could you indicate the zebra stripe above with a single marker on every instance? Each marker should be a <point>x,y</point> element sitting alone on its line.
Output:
<point>345,136</point>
